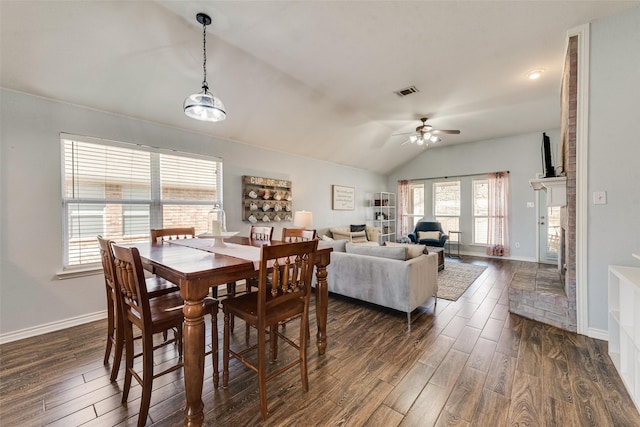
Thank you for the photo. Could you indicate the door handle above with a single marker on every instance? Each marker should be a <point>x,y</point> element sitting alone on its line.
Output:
<point>542,223</point>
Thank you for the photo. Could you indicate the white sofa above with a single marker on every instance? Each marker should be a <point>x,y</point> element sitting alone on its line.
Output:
<point>383,275</point>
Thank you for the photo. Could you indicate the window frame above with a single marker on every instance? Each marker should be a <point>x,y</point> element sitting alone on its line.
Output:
<point>156,203</point>
<point>474,216</point>
<point>437,216</point>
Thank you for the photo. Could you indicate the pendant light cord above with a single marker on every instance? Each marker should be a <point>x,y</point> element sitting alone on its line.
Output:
<point>205,86</point>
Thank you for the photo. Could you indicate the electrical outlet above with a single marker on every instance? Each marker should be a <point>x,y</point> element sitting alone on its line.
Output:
<point>517,245</point>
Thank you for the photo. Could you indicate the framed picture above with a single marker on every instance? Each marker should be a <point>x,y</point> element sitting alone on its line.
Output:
<point>344,198</point>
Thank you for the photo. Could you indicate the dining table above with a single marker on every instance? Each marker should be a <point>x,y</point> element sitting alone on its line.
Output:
<point>197,265</point>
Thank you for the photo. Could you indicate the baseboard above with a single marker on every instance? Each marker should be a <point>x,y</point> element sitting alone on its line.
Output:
<point>599,334</point>
<point>51,327</point>
<point>510,258</point>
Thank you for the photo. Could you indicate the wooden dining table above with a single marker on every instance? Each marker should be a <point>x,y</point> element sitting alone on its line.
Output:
<point>195,271</point>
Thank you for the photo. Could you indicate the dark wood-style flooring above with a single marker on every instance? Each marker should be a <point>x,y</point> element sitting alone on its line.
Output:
<point>466,363</point>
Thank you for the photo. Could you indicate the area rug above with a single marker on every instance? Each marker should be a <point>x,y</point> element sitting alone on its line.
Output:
<point>456,278</point>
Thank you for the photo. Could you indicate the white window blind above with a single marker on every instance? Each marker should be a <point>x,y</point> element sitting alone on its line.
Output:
<point>121,191</point>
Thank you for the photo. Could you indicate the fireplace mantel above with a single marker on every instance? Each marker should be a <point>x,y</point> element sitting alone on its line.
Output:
<point>556,189</point>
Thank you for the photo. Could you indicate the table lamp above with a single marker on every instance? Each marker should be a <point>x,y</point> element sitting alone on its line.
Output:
<point>302,219</point>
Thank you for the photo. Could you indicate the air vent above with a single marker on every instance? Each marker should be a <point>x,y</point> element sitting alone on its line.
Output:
<point>406,91</point>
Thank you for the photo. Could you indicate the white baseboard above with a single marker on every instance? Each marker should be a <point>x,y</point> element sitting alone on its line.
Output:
<point>51,327</point>
<point>599,334</point>
<point>510,258</point>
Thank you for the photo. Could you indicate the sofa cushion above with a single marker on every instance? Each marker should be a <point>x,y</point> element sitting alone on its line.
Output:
<point>428,235</point>
<point>336,245</point>
<point>372,233</point>
<point>399,253</point>
<point>357,227</point>
<point>412,250</point>
<point>359,237</point>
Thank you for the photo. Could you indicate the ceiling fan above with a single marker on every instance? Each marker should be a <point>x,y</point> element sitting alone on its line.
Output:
<point>426,134</point>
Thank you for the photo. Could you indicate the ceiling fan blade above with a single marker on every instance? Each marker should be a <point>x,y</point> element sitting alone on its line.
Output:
<point>398,134</point>
<point>445,131</point>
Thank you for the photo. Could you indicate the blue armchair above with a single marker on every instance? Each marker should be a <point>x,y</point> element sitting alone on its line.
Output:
<point>429,226</point>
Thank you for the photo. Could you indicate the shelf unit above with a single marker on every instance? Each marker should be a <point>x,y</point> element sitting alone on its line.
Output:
<point>383,215</point>
<point>624,326</point>
<point>266,199</point>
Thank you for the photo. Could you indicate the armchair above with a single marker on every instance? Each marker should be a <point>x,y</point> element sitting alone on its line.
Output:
<point>425,226</point>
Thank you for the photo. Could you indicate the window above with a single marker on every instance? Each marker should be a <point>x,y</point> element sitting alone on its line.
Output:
<point>481,211</point>
<point>121,191</point>
<point>446,205</point>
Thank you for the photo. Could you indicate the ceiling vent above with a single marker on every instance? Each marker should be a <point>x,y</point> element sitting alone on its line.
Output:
<point>406,91</point>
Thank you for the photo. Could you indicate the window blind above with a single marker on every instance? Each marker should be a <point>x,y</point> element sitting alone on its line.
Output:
<point>121,191</point>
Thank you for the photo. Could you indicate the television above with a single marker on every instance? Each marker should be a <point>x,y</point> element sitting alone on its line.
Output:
<point>549,171</point>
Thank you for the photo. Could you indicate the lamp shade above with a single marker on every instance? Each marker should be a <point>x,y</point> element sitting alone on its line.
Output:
<point>303,219</point>
<point>204,106</point>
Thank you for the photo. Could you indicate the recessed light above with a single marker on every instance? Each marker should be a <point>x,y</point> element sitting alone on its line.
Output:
<point>535,74</point>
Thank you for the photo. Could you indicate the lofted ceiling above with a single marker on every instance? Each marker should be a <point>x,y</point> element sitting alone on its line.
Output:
<point>314,78</point>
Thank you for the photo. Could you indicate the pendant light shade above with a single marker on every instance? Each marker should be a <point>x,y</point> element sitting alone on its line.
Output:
<point>204,105</point>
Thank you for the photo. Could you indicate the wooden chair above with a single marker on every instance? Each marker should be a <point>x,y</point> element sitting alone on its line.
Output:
<point>284,287</point>
<point>158,235</point>
<point>260,233</point>
<point>151,316</point>
<point>298,235</point>
<point>156,287</point>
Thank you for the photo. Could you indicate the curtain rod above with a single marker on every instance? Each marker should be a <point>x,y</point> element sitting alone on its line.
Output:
<point>452,176</point>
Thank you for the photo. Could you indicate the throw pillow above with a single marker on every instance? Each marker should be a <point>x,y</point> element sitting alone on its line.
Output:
<point>359,237</point>
<point>358,227</point>
<point>378,251</point>
<point>430,235</point>
<point>412,250</point>
<point>327,238</point>
<point>372,233</point>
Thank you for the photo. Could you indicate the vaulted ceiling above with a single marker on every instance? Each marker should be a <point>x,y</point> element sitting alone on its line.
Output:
<point>314,78</point>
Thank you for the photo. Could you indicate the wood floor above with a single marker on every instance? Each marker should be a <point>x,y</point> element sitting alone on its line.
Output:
<point>466,363</point>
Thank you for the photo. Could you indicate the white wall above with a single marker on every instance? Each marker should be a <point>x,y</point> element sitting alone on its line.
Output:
<point>31,213</point>
<point>519,154</point>
<point>614,153</point>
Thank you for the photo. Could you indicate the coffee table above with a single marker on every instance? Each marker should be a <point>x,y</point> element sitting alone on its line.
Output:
<point>440,252</point>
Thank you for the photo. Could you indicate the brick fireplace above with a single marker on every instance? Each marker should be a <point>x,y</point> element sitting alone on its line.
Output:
<point>539,292</point>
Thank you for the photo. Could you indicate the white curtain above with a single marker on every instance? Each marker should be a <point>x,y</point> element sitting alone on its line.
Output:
<point>498,238</point>
<point>404,200</point>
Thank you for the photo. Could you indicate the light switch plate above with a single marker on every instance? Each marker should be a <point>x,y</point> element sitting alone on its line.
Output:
<point>599,197</point>
<point>530,204</point>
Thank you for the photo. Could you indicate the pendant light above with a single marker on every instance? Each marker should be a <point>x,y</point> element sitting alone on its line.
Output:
<point>204,105</point>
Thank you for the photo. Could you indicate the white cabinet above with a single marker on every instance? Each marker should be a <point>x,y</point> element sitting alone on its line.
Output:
<point>383,215</point>
<point>624,326</point>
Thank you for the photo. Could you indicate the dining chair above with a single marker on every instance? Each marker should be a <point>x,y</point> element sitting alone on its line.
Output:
<point>256,233</point>
<point>151,316</point>
<point>284,286</point>
<point>260,233</point>
<point>158,235</point>
<point>298,234</point>
<point>156,286</point>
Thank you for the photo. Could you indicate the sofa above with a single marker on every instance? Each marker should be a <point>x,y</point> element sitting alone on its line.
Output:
<point>400,277</point>
<point>429,233</point>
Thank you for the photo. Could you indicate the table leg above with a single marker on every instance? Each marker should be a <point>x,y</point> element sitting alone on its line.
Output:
<point>322,302</point>
<point>193,339</point>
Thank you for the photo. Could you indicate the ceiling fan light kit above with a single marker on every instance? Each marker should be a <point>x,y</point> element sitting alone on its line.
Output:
<point>204,105</point>
<point>425,134</point>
